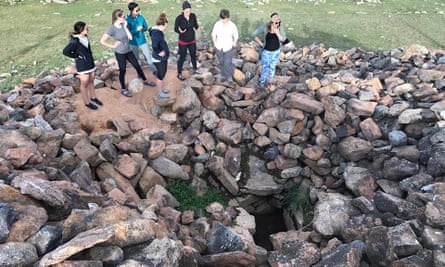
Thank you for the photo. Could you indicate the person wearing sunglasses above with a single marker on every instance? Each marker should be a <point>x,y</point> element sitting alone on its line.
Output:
<point>122,51</point>
<point>270,37</point>
<point>137,25</point>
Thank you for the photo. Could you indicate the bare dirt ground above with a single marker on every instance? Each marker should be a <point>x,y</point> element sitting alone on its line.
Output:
<point>116,106</point>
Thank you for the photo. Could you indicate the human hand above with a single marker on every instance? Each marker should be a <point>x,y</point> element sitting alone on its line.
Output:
<point>117,43</point>
<point>162,53</point>
<point>140,28</point>
<point>182,30</point>
<point>274,28</point>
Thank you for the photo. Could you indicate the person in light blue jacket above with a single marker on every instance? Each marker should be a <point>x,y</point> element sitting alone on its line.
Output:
<point>137,25</point>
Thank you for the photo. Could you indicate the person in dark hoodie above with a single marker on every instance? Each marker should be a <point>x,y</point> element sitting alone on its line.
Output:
<point>79,48</point>
<point>185,25</point>
<point>160,53</point>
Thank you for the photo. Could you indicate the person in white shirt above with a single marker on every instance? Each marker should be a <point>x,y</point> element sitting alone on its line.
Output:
<point>225,38</point>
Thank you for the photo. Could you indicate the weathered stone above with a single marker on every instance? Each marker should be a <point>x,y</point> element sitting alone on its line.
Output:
<point>43,190</point>
<point>303,102</point>
<point>378,247</point>
<point>295,254</point>
<point>370,129</point>
<point>216,166</point>
<point>331,213</point>
<point>344,255</point>
<point>229,131</point>
<point>163,252</point>
<point>17,254</point>
<point>149,179</point>
<point>361,108</point>
<point>403,240</point>
<point>168,168</point>
<point>46,239</point>
<point>396,169</point>
<point>360,181</point>
<point>224,240</point>
<point>354,149</point>
<point>79,243</point>
<point>399,207</point>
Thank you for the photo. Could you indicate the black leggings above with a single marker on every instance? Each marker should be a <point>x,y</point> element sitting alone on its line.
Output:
<point>161,66</point>
<point>182,50</point>
<point>122,63</point>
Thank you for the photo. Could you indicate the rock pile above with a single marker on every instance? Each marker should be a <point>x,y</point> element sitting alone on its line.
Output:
<point>360,132</point>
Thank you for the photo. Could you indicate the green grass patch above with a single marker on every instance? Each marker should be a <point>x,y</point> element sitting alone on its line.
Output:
<point>34,32</point>
<point>297,197</point>
<point>189,200</point>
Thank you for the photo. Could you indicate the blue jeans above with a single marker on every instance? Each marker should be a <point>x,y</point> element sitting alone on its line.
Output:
<point>146,52</point>
<point>269,60</point>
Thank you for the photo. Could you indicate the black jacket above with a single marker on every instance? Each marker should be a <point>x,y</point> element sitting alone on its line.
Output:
<point>83,55</point>
<point>191,25</point>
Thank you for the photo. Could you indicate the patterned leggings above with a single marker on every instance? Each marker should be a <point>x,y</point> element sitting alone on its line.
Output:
<point>269,60</point>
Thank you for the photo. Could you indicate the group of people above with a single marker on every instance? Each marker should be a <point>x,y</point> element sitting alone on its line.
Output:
<point>128,34</point>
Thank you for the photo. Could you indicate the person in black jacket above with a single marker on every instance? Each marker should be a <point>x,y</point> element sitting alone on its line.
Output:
<point>160,53</point>
<point>79,49</point>
<point>185,25</point>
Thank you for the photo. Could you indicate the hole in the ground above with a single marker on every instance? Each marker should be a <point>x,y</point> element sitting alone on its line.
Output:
<point>267,224</point>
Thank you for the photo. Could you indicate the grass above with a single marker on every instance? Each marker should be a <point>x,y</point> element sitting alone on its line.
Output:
<point>297,197</point>
<point>33,33</point>
<point>189,200</point>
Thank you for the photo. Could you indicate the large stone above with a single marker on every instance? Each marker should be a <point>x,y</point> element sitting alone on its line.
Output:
<point>18,254</point>
<point>216,166</point>
<point>354,149</point>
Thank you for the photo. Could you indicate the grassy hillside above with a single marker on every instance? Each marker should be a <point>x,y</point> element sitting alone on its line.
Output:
<point>33,34</point>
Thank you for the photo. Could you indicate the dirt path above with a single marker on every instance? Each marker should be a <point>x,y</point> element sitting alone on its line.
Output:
<point>117,106</point>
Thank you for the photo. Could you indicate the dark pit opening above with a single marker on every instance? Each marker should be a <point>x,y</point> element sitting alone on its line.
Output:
<point>267,224</point>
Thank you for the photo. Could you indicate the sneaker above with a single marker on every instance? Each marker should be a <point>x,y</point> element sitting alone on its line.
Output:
<point>196,71</point>
<point>147,82</point>
<point>97,101</point>
<point>180,77</point>
<point>269,84</point>
<point>126,93</point>
<point>163,94</point>
<point>91,106</point>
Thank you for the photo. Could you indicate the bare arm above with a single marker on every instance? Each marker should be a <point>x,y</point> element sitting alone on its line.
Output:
<point>129,35</point>
<point>104,41</point>
<point>258,40</point>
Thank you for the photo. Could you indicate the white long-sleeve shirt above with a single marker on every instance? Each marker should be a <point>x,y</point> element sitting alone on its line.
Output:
<point>224,35</point>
